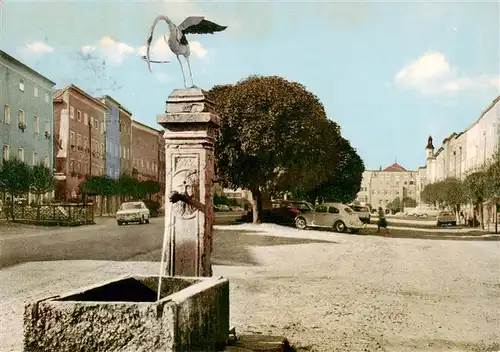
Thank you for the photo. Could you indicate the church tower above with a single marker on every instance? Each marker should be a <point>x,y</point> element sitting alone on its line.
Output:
<point>429,149</point>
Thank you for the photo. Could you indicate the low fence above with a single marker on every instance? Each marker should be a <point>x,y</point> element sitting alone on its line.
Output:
<point>54,214</point>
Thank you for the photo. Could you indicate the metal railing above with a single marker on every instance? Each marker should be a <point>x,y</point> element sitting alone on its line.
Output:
<point>67,214</point>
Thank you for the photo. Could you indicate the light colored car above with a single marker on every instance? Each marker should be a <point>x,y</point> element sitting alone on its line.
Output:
<point>338,216</point>
<point>132,212</point>
<point>424,211</point>
<point>446,217</point>
<point>362,212</point>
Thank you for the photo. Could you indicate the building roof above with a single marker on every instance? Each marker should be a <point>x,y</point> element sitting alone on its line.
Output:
<point>82,92</point>
<point>395,168</point>
<point>19,63</point>
<point>140,124</point>
<point>116,102</point>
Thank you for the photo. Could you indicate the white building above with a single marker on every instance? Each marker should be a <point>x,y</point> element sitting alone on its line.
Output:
<point>465,152</point>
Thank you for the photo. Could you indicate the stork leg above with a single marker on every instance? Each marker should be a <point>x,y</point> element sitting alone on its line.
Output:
<point>182,70</point>
<point>190,73</point>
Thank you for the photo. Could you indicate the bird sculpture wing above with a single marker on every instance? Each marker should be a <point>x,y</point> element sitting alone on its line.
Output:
<point>150,38</point>
<point>199,25</point>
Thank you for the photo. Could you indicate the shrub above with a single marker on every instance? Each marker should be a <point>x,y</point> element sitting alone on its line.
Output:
<point>153,206</point>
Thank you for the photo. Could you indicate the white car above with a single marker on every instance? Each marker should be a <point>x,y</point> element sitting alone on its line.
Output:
<point>132,212</point>
<point>330,215</point>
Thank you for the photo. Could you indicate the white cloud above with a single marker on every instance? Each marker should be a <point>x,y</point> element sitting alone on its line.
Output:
<point>197,49</point>
<point>39,48</point>
<point>432,73</point>
<point>115,52</point>
<point>34,50</point>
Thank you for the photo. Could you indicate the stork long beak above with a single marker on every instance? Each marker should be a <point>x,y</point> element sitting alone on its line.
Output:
<point>165,38</point>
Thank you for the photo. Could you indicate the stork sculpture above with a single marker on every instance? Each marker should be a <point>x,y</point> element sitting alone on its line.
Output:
<point>177,41</point>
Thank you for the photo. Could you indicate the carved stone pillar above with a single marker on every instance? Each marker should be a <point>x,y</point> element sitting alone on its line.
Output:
<point>191,126</point>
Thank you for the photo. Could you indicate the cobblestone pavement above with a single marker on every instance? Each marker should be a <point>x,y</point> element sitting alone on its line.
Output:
<point>324,291</point>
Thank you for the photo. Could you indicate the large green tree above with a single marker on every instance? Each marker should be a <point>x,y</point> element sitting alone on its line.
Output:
<point>268,140</point>
<point>102,186</point>
<point>42,181</point>
<point>430,194</point>
<point>344,171</point>
<point>492,189</point>
<point>15,179</point>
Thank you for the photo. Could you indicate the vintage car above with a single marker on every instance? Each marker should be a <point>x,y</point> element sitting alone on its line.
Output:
<point>282,211</point>
<point>363,213</point>
<point>132,212</point>
<point>338,216</point>
<point>445,218</point>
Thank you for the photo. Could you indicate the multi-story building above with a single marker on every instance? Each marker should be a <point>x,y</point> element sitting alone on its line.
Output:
<point>380,187</point>
<point>464,152</point>
<point>26,127</point>
<point>125,141</point>
<point>145,152</point>
<point>79,122</point>
<point>112,137</point>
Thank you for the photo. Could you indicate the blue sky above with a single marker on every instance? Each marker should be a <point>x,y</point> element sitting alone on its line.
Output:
<point>390,73</point>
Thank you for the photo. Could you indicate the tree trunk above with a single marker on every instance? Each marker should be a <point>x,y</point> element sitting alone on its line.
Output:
<point>102,203</point>
<point>256,205</point>
<point>481,210</point>
<point>496,216</point>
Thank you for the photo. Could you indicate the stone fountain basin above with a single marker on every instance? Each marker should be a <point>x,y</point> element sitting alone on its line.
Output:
<point>124,315</point>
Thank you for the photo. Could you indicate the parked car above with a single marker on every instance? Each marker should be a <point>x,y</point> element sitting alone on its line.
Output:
<point>132,212</point>
<point>362,212</point>
<point>338,216</point>
<point>282,212</point>
<point>445,218</point>
<point>424,211</point>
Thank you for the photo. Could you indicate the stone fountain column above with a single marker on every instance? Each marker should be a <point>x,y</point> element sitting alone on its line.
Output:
<point>191,126</point>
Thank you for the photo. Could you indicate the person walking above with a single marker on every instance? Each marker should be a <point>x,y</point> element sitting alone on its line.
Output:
<point>382,222</point>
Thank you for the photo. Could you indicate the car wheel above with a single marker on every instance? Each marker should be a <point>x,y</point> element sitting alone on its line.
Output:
<point>438,224</point>
<point>339,226</point>
<point>119,223</point>
<point>142,220</point>
<point>147,220</point>
<point>300,223</point>
<point>454,223</point>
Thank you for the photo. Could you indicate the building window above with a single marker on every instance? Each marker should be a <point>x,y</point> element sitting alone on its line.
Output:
<point>36,124</point>
<point>85,119</point>
<point>20,154</point>
<point>35,92</point>
<point>6,113</point>
<point>86,143</point>
<point>85,168</point>
<point>102,148</point>
<point>35,158</point>
<point>20,116</point>
<point>79,166</point>
<point>79,115</point>
<point>47,127</point>
<point>46,97</point>
<point>71,112</point>
<point>72,165</point>
<point>78,139</point>
<point>5,152</point>
<point>411,183</point>
<point>91,121</point>
<point>46,161</point>
<point>21,85</point>
<point>72,138</point>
